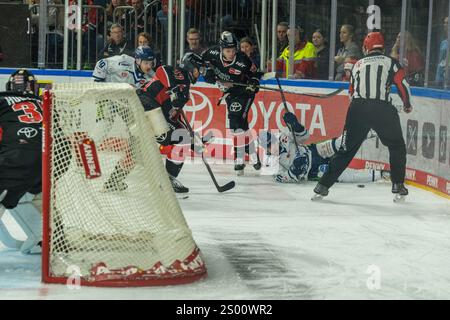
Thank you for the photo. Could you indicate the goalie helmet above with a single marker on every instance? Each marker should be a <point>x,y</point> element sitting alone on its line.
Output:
<point>22,81</point>
<point>189,63</point>
<point>228,40</point>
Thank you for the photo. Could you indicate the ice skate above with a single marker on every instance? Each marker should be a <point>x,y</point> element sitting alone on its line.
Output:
<point>320,192</point>
<point>177,186</point>
<point>400,192</point>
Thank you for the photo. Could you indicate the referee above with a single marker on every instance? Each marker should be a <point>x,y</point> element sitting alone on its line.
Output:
<point>371,108</point>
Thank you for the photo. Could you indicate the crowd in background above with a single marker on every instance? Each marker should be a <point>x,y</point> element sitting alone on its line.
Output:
<point>126,30</point>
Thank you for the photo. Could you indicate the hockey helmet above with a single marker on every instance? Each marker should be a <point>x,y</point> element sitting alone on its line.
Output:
<point>228,40</point>
<point>22,81</point>
<point>189,63</point>
<point>374,41</point>
<point>144,53</point>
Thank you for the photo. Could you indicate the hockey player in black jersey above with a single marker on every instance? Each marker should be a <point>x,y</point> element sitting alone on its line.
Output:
<point>169,90</point>
<point>20,159</point>
<point>227,65</point>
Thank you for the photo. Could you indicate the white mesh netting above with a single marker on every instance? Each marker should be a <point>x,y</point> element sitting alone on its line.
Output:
<point>113,215</point>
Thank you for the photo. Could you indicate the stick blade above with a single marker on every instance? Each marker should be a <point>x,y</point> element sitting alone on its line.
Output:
<point>230,185</point>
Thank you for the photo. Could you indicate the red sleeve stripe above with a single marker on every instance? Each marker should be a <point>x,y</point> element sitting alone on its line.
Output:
<point>403,87</point>
<point>161,74</point>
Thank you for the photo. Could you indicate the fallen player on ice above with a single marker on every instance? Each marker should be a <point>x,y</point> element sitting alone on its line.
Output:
<point>299,162</point>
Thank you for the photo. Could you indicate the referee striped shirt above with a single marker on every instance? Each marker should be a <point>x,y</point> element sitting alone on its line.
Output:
<point>373,76</point>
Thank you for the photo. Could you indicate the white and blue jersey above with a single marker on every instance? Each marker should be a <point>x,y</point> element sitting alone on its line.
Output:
<point>121,69</point>
<point>310,162</point>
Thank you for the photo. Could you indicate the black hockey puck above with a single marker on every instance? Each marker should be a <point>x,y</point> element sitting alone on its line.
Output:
<point>361,185</point>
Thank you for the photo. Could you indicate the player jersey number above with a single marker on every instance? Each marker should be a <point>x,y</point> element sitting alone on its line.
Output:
<point>30,110</point>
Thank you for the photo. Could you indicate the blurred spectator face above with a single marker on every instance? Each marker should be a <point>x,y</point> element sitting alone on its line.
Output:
<point>345,35</point>
<point>194,40</point>
<point>246,48</point>
<point>143,42</point>
<point>229,53</point>
<point>114,3</point>
<point>297,35</point>
<point>446,25</point>
<point>281,33</point>
<point>317,39</point>
<point>137,4</point>
<point>117,35</point>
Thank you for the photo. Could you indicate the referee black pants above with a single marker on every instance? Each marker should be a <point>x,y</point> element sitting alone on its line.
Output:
<point>362,116</point>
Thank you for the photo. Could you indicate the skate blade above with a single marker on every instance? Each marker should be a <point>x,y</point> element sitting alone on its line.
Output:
<point>399,198</point>
<point>317,197</point>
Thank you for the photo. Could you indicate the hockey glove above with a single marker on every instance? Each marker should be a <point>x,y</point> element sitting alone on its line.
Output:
<point>252,86</point>
<point>175,114</point>
<point>291,120</point>
<point>178,97</point>
<point>210,76</point>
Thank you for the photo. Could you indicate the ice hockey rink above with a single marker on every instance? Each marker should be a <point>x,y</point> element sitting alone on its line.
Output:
<point>264,240</point>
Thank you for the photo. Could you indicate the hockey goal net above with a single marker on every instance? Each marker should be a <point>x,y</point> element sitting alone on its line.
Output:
<point>110,215</point>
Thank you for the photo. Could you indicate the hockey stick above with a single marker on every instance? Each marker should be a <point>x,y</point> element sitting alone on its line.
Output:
<point>287,110</point>
<point>319,96</point>
<point>230,185</point>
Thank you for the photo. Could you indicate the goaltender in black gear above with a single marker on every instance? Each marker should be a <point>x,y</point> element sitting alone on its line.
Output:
<point>371,108</point>
<point>20,159</point>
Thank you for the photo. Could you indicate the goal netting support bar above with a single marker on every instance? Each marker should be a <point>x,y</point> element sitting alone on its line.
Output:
<point>111,217</point>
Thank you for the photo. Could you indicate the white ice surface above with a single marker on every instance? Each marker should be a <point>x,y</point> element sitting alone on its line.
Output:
<point>269,241</point>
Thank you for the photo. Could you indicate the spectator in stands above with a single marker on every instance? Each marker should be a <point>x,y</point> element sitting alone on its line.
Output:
<point>282,39</point>
<point>117,44</point>
<point>349,49</point>
<point>443,48</point>
<point>304,58</point>
<point>413,61</point>
<point>144,39</point>
<point>135,19</point>
<point>247,46</point>
<point>194,41</point>
<point>117,16</point>
<point>323,54</point>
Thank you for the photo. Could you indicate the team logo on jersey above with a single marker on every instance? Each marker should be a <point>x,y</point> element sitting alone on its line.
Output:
<point>178,75</point>
<point>89,157</point>
<point>27,132</point>
<point>235,107</point>
<point>235,71</point>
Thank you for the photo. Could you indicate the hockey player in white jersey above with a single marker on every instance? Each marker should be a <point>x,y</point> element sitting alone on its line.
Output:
<point>299,162</point>
<point>126,69</point>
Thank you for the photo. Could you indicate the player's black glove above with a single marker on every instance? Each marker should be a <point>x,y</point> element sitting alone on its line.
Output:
<point>210,76</point>
<point>252,86</point>
<point>291,120</point>
<point>175,114</point>
<point>178,96</point>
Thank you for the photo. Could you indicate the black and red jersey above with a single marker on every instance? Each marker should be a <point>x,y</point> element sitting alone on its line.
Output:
<point>240,70</point>
<point>20,121</point>
<point>158,91</point>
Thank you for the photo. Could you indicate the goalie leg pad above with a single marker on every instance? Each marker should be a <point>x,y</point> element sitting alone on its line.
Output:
<point>29,218</point>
